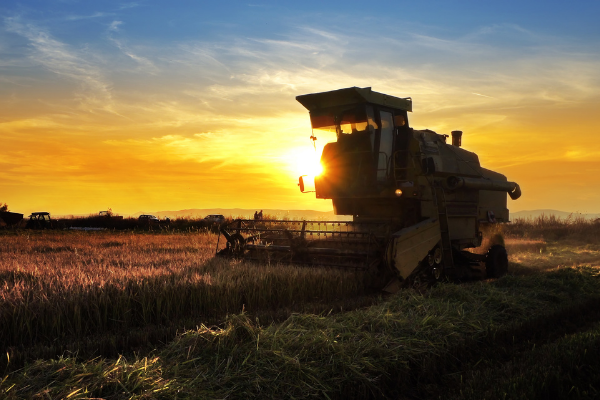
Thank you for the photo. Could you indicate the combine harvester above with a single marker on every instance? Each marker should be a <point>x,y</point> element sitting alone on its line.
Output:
<point>417,203</point>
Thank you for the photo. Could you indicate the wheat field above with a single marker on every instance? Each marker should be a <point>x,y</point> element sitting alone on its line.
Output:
<point>139,315</point>
<point>130,288</point>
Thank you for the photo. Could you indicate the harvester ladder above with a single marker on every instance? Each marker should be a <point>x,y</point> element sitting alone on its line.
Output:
<point>400,172</point>
<point>446,246</point>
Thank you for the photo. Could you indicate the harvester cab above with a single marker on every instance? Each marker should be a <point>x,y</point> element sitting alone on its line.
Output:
<point>369,127</point>
<point>417,202</point>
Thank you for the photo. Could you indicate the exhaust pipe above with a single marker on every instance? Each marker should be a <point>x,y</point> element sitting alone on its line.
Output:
<point>456,138</point>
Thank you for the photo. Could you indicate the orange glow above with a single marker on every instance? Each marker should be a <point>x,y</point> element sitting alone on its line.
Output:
<point>48,165</point>
<point>87,164</point>
<point>119,121</point>
<point>161,156</point>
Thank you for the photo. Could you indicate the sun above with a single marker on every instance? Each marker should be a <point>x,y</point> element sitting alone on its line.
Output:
<point>307,162</point>
<point>315,168</point>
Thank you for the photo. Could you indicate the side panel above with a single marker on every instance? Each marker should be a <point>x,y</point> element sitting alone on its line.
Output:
<point>495,202</point>
<point>462,208</point>
<point>411,245</point>
<point>463,229</point>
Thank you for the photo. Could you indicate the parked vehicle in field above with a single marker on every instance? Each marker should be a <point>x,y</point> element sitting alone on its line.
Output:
<point>215,218</point>
<point>147,218</point>
<point>40,220</point>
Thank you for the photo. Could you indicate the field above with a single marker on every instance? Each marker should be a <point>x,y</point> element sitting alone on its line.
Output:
<point>155,315</point>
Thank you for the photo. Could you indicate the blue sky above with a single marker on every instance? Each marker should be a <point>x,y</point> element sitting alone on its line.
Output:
<point>101,102</point>
<point>191,20</point>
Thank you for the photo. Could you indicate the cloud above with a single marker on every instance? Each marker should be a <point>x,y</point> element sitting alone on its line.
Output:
<point>94,15</point>
<point>309,57</point>
<point>114,26</point>
<point>235,84</point>
<point>145,65</point>
<point>132,4</point>
<point>482,95</point>
<point>61,59</point>
<point>15,81</point>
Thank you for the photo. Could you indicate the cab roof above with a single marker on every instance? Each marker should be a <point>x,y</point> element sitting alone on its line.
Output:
<point>353,95</point>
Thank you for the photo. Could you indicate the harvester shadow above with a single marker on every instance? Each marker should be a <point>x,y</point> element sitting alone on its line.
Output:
<point>501,347</point>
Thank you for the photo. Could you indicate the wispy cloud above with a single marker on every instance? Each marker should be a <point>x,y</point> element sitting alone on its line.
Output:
<point>145,65</point>
<point>16,81</point>
<point>114,26</point>
<point>62,60</point>
<point>91,16</point>
<point>132,4</point>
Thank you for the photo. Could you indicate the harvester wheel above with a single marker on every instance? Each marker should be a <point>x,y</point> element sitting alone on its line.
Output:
<point>430,259</point>
<point>424,275</point>
<point>438,273</point>
<point>496,262</point>
<point>235,246</point>
<point>437,255</point>
<point>420,282</point>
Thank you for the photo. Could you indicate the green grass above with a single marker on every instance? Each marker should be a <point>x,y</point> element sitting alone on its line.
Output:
<point>407,346</point>
<point>562,369</point>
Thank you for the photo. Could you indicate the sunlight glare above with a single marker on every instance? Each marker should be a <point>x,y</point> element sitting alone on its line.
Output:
<point>307,162</point>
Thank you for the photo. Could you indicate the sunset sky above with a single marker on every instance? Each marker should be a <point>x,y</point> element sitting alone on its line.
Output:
<point>150,105</point>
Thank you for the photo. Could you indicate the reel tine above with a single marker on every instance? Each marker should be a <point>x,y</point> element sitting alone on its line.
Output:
<point>332,243</point>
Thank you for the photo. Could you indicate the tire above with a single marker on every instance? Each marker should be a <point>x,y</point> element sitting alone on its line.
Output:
<point>234,247</point>
<point>496,262</point>
<point>237,244</point>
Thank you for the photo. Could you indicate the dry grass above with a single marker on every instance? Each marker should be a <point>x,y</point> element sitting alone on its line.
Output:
<point>525,246</point>
<point>547,243</point>
<point>58,286</point>
<point>551,228</point>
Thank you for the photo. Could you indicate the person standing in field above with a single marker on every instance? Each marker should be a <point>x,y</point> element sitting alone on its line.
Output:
<point>255,215</point>
<point>260,215</point>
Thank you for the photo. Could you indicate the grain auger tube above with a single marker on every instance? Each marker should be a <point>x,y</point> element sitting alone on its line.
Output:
<point>418,204</point>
